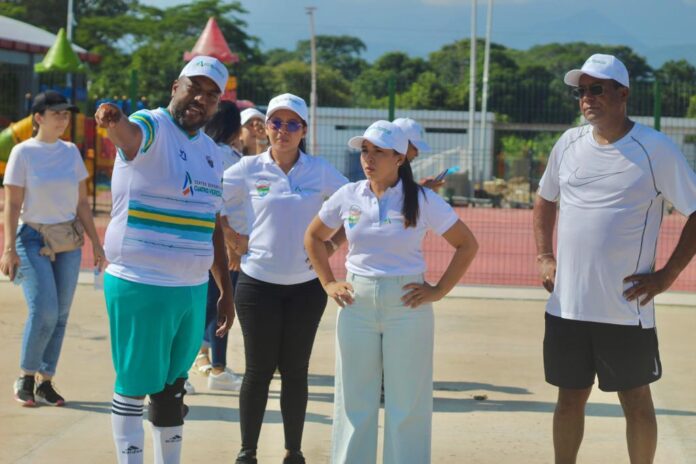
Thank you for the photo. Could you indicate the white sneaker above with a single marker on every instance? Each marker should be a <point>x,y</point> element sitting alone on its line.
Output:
<point>189,388</point>
<point>226,380</point>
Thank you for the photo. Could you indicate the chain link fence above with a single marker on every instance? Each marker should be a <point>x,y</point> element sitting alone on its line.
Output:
<point>495,183</point>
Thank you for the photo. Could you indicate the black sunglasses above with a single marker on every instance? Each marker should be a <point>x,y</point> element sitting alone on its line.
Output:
<point>595,90</point>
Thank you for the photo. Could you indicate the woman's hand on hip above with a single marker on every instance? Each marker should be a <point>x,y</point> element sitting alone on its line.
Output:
<point>341,292</point>
<point>418,294</point>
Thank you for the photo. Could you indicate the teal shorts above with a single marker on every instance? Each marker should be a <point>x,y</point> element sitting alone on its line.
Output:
<point>156,333</point>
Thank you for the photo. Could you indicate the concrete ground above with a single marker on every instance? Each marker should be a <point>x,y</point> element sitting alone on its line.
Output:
<point>482,347</point>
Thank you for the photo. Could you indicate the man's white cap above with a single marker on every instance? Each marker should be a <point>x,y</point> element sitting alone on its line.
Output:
<point>384,134</point>
<point>287,101</point>
<point>209,67</point>
<point>251,113</point>
<point>414,132</point>
<point>601,67</point>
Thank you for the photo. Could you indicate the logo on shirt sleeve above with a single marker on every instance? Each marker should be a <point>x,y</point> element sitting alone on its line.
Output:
<point>354,215</point>
<point>210,160</point>
<point>263,186</point>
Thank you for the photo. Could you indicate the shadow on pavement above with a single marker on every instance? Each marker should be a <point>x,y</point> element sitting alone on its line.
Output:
<point>468,386</point>
<point>593,409</point>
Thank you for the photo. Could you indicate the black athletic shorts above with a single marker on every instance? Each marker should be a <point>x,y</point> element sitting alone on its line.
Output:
<point>622,356</point>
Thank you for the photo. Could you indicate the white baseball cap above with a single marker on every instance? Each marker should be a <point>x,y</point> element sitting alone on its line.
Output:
<point>251,113</point>
<point>601,67</point>
<point>209,67</point>
<point>384,134</point>
<point>414,132</point>
<point>287,101</point>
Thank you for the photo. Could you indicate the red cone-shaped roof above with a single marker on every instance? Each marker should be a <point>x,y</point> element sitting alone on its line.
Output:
<point>212,43</point>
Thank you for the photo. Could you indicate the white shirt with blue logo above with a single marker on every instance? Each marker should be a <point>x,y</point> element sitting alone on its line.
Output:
<point>164,205</point>
<point>282,206</point>
<point>378,243</point>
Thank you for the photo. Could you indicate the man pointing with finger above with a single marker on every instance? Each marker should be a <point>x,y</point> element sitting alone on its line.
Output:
<point>162,239</point>
<point>611,178</point>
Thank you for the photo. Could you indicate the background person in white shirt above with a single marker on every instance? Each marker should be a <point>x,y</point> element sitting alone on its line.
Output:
<point>611,178</point>
<point>253,139</point>
<point>224,128</point>
<point>414,132</point>
<point>163,238</point>
<point>386,319</point>
<point>45,183</point>
<point>279,299</point>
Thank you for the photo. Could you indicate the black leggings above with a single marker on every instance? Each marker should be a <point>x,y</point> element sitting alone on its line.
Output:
<point>279,323</point>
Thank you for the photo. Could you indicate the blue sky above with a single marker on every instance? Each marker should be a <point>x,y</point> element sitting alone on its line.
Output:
<point>656,29</point>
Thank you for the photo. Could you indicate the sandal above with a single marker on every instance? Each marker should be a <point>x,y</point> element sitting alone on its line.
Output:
<point>202,369</point>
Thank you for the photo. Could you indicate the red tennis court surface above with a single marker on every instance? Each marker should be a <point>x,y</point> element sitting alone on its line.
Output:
<point>506,254</point>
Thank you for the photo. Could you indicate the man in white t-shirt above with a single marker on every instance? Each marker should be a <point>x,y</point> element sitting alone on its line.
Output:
<point>163,237</point>
<point>611,179</point>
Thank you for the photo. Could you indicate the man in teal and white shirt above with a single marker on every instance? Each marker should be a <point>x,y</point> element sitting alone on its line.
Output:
<point>161,242</point>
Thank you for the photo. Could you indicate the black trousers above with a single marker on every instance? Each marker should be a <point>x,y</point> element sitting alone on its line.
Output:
<point>278,323</point>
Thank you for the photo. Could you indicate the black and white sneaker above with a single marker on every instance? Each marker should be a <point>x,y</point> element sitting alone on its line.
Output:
<point>24,390</point>
<point>46,394</point>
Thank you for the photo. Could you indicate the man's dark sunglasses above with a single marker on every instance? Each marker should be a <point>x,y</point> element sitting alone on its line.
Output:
<point>291,126</point>
<point>595,90</point>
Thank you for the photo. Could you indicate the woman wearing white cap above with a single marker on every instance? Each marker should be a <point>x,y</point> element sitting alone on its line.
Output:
<point>279,298</point>
<point>386,320</point>
<point>253,139</point>
<point>416,144</point>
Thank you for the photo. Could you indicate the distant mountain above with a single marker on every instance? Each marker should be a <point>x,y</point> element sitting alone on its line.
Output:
<point>657,56</point>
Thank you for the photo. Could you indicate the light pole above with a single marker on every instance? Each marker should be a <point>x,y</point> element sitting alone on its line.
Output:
<point>69,32</point>
<point>486,65</point>
<point>472,96</point>
<point>313,95</point>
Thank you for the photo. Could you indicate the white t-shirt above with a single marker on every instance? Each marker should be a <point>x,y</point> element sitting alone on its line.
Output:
<point>50,174</point>
<point>164,205</point>
<point>611,202</point>
<point>282,206</point>
<point>378,243</point>
<point>229,155</point>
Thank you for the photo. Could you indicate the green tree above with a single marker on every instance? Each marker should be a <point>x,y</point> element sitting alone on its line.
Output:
<point>691,112</point>
<point>678,80</point>
<point>294,77</point>
<point>341,52</point>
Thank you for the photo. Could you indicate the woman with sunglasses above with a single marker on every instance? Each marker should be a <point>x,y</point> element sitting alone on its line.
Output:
<point>385,323</point>
<point>279,298</point>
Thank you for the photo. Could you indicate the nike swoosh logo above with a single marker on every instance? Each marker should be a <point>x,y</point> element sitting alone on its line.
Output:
<point>656,372</point>
<point>574,180</point>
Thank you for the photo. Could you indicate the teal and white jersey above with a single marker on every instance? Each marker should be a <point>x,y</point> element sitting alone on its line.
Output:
<point>164,205</point>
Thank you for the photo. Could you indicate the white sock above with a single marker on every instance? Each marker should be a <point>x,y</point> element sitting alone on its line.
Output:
<point>167,443</point>
<point>127,427</point>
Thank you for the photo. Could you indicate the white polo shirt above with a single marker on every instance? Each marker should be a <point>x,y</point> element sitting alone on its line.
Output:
<point>611,206</point>
<point>164,205</point>
<point>282,206</point>
<point>50,174</point>
<point>378,243</point>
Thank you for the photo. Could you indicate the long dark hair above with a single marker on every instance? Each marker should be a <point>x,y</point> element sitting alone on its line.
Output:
<point>225,123</point>
<point>411,208</point>
<point>34,124</point>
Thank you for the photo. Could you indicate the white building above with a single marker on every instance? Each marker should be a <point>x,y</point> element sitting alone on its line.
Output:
<point>445,132</point>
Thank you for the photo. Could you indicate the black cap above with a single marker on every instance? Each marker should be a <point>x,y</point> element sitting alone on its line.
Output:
<point>52,100</point>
